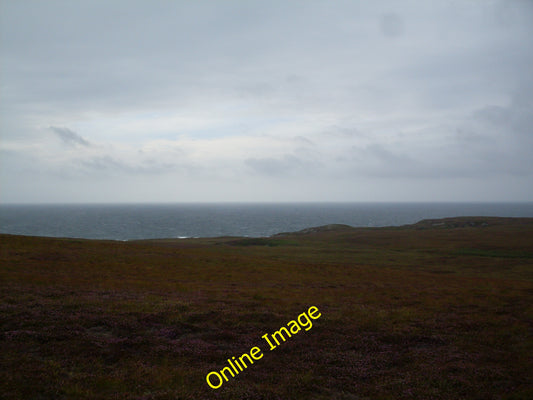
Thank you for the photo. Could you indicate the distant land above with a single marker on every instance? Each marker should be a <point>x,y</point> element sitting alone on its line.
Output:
<point>156,221</point>
<point>439,309</point>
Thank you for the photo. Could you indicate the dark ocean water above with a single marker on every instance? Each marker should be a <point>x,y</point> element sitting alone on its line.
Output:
<point>145,221</point>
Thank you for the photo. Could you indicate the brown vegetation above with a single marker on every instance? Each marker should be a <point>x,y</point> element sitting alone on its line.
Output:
<point>441,309</point>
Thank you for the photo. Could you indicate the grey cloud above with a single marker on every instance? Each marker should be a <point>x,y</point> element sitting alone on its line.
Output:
<point>188,51</point>
<point>69,137</point>
<point>303,141</point>
<point>510,121</point>
<point>508,12</point>
<point>109,165</point>
<point>391,24</point>
<point>332,83</point>
<point>380,161</point>
<point>387,156</point>
<point>279,166</point>
<point>490,144</point>
<point>105,164</point>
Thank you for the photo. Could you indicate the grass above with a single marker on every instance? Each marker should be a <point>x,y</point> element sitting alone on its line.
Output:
<point>437,310</point>
<point>495,253</point>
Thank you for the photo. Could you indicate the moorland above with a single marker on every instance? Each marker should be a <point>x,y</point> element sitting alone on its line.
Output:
<point>442,309</point>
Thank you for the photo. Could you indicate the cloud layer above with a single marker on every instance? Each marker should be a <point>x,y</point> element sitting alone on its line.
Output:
<point>266,101</point>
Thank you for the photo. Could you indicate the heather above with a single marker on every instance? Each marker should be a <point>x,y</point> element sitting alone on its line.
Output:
<point>441,309</point>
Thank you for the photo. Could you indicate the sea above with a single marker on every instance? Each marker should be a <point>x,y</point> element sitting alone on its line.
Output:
<point>153,221</point>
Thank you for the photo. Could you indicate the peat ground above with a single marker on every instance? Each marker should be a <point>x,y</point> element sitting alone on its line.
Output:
<point>442,309</point>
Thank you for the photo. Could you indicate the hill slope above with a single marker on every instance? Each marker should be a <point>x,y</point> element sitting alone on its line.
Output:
<point>440,309</point>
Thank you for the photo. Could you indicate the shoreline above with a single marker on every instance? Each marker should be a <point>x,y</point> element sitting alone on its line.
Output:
<point>433,223</point>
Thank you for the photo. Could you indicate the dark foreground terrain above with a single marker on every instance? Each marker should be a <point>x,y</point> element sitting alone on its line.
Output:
<point>441,309</point>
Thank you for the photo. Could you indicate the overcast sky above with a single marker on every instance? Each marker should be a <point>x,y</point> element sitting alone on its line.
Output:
<point>179,101</point>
